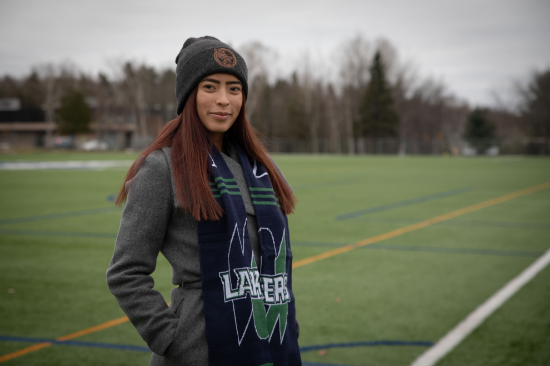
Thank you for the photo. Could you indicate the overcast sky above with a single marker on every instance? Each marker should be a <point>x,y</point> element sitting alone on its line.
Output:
<point>475,47</point>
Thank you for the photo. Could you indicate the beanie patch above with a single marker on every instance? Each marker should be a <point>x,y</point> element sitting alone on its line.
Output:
<point>225,57</point>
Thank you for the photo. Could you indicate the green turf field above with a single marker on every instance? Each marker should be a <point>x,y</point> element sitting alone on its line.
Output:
<point>379,305</point>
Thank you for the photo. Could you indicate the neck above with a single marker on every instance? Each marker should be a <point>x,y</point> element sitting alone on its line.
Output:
<point>217,138</point>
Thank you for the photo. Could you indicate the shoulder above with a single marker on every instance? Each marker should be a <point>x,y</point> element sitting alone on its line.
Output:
<point>156,158</point>
<point>156,162</point>
<point>153,172</point>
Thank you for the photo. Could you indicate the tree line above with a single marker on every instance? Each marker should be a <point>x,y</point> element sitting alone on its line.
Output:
<point>373,97</point>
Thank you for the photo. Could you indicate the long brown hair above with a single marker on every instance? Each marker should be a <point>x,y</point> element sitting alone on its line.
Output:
<point>190,143</point>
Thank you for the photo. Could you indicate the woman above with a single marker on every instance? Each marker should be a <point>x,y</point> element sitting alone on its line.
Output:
<point>207,195</point>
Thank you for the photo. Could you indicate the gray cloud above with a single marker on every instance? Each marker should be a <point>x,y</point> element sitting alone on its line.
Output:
<point>474,46</point>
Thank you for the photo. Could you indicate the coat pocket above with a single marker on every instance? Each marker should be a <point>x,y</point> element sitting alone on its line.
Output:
<point>176,299</point>
<point>189,346</point>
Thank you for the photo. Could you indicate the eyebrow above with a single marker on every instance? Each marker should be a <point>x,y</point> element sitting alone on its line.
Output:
<point>218,82</point>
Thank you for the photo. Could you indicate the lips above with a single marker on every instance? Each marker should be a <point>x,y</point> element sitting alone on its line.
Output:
<point>221,116</point>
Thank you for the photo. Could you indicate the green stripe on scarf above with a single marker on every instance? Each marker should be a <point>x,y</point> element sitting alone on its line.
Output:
<point>262,196</point>
<point>216,190</point>
<point>230,192</point>
<point>222,184</point>
<point>224,179</point>
<point>265,203</point>
<point>260,189</point>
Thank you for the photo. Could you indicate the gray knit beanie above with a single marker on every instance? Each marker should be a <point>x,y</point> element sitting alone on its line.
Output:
<point>200,57</point>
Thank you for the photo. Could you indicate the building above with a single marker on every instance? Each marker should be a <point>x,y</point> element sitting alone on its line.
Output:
<point>26,128</point>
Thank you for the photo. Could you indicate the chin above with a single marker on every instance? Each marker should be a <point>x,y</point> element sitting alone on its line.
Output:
<point>219,129</point>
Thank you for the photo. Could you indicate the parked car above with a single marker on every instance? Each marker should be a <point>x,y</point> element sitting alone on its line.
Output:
<point>65,142</point>
<point>94,145</point>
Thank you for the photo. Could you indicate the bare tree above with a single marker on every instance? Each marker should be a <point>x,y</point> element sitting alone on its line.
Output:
<point>389,54</point>
<point>455,113</point>
<point>49,74</point>
<point>331,102</point>
<point>132,81</point>
<point>309,88</point>
<point>353,58</point>
<point>259,60</point>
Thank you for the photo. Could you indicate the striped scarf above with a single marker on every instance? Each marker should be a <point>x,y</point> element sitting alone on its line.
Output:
<point>248,306</point>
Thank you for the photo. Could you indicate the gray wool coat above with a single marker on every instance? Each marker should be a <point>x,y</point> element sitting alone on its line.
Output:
<point>152,223</point>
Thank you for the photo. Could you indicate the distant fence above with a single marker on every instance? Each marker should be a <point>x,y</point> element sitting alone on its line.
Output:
<point>394,146</point>
<point>386,146</point>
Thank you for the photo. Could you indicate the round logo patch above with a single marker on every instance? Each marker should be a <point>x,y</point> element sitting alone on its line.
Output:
<point>225,57</point>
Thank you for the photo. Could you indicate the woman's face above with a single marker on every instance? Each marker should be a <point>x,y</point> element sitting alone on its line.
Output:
<point>219,101</point>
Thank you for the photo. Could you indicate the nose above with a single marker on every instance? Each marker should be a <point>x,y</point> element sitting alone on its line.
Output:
<point>222,98</point>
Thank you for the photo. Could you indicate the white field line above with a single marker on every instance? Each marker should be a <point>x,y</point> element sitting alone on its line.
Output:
<point>91,164</point>
<point>464,328</point>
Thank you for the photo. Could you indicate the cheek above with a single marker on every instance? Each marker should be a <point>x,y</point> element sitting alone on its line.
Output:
<point>238,103</point>
<point>202,110</point>
<point>203,102</point>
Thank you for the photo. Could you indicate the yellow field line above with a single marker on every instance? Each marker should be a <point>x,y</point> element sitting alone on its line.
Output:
<point>97,328</point>
<point>421,224</point>
<point>315,258</point>
<point>80,333</point>
<point>24,351</point>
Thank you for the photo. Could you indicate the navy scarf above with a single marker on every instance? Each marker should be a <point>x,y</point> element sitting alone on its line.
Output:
<point>248,306</point>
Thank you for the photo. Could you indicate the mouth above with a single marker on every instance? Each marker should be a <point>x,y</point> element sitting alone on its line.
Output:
<point>222,116</point>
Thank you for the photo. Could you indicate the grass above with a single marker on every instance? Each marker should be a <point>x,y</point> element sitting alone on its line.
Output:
<point>66,155</point>
<point>413,287</point>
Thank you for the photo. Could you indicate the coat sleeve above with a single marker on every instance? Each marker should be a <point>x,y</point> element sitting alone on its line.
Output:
<point>143,226</point>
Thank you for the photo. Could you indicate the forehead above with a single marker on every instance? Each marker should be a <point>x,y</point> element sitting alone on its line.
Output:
<point>222,77</point>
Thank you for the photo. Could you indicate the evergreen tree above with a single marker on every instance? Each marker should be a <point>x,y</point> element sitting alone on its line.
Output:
<point>535,105</point>
<point>378,117</point>
<point>480,131</point>
<point>74,114</point>
<point>535,112</point>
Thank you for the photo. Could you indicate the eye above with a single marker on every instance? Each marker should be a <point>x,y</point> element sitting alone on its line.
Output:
<point>235,89</point>
<point>208,86</point>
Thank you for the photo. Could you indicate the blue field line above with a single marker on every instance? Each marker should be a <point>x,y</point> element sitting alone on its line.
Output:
<point>59,215</point>
<point>412,201</point>
<point>58,233</point>
<point>407,248</point>
<point>329,183</point>
<point>367,344</point>
<point>75,343</point>
<point>145,349</point>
